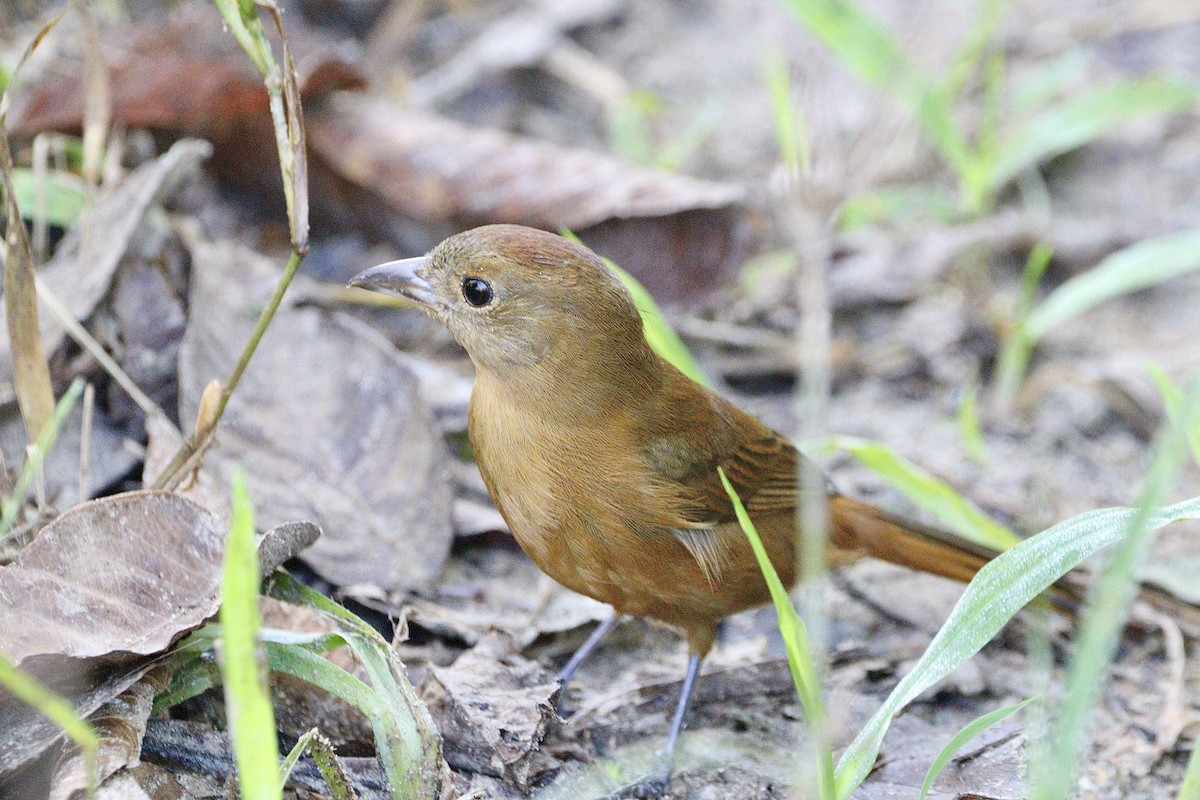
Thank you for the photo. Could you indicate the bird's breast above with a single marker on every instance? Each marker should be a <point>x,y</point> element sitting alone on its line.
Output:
<point>567,490</point>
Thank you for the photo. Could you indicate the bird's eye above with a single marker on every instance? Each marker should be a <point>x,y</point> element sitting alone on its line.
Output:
<point>477,291</point>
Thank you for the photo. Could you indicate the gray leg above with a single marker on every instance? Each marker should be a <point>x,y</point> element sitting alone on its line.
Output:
<point>677,724</point>
<point>654,784</point>
<point>585,650</point>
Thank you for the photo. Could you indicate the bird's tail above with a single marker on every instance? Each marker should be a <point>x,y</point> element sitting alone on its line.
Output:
<point>862,528</point>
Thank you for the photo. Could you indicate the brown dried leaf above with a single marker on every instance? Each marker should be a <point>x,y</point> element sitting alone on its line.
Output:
<point>327,423</point>
<point>491,707</point>
<point>29,369</point>
<point>82,269</point>
<point>121,723</point>
<point>182,73</point>
<point>87,684</point>
<point>109,456</point>
<point>106,582</point>
<point>165,564</point>
<point>681,236</point>
<point>125,574</point>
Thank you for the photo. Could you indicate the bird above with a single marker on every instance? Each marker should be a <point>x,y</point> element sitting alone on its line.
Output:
<point>603,458</point>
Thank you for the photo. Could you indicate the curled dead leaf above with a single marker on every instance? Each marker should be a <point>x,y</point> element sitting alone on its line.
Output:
<point>680,236</point>
<point>491,707</point>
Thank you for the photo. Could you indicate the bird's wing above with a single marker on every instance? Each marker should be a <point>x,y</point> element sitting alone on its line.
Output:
<point>761,465</point>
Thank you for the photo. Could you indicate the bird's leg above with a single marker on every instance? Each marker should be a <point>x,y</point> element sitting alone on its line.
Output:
<point>585,650</point>
<point>685,694</point>
<point>655,783</point>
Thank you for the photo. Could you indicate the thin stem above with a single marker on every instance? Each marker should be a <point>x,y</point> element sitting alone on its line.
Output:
<point>190,445</point>
<point>89,343</point>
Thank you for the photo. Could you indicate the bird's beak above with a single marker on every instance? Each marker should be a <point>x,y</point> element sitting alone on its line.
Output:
<point>405,277</point>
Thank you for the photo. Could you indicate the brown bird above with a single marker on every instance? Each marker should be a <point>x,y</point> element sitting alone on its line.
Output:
<point>602,457</point>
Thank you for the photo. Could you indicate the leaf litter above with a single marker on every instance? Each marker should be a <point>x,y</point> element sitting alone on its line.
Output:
<point>307,419</point>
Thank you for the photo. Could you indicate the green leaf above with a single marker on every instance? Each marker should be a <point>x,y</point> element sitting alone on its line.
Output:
<point>659,333</point>
<point>405,738</point>
<point>1136,267</point>
<point>1018,345</point>
<point>795,641</point>
<point>954,510</point>
<point>1084,118</point>
<point>1102,621</point>
<point>322,754</point>
<point>897,205</point>
<point>968,732</point>
<point>1172,397</point>
<point>62,191</point>
<point>997,593</point>
<point>247,699</point>
<point>968,424</point>
<point>57,710</point>
<point>866,47</point>
<point>791,134</point>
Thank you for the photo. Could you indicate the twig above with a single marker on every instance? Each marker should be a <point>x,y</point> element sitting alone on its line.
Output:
<point>193,444</point>
<point>97,351</point>
<point>85,440</point>
<point>283,93</point>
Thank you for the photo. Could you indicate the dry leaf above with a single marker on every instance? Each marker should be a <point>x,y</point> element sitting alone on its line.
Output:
<point>491,707</point>
<point>82,269</point>
<point>182,73</point>
<point>105,582</point>
<point>104,589</point>
<point>327,423</point>
<point>680,236</point>
<point>121,723</point>
<point>124,574</point>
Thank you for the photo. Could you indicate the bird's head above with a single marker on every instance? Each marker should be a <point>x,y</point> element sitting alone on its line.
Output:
<point>514,296</point>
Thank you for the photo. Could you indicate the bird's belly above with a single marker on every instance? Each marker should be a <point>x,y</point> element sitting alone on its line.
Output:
<point>574,515</point>
<point>585,550</point>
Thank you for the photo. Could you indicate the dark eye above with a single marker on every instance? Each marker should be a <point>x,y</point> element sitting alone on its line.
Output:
<point>477,291</point>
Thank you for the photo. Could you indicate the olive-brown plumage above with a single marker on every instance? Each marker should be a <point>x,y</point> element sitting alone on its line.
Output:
<point>602,457</point>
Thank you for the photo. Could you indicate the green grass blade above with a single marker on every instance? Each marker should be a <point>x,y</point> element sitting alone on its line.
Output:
<point>954,510</point>
<point>247,699</point>
<point>1100,630</point>
<point>795,640</point>
<point>57,710</point>
<point>1172,397</point>
<point>869,50</point>
<point>1018,345</point>
<point>968,424</point>
<point>1082,119</point>
<point>791,134</point>
<point>1138,266</point>
<point>897,205</point>
<point>968,732</point>
<point>293,757</point>
<point>406,739</point>
<point>997,593</point>
<point>1048,82</point>
<point>63,193</point>
<point>321,750</point>
<point>659,333</point>
<point>37,454</point>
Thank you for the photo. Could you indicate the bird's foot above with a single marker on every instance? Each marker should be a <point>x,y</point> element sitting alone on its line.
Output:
<point>652,784</point>
<point>559,696</point>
